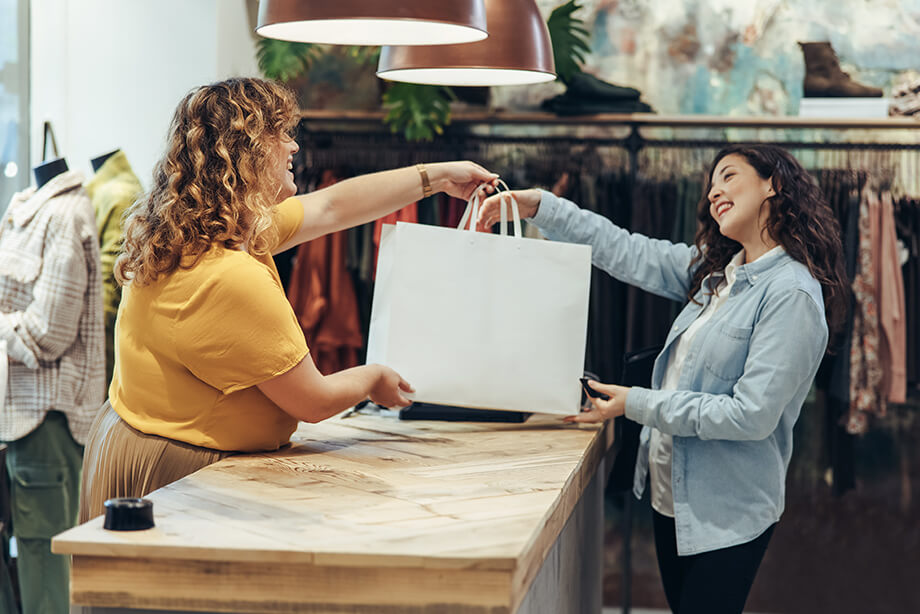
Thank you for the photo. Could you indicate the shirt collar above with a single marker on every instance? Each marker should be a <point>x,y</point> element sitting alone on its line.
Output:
<point>732,267</point>
<point>753,270</point>
<point>26,204</point>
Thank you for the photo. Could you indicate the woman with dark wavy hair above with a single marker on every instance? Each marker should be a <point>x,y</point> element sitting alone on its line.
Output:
<point>765,284</point>
<point>210,358</point>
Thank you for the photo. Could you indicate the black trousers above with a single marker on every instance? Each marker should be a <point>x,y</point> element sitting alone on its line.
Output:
<point>715,582</point>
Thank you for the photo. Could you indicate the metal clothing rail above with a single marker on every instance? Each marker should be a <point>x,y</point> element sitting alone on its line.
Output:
<point>347,137</point>
<point>468,130</point>
<point>628,119</point>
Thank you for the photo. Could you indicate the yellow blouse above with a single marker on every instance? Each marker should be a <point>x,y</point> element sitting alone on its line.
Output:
<point>191,347</point>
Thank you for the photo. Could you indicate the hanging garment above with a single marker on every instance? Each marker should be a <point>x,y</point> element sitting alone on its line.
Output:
<point>890,296</point>
<point>4,373</point>
<point>321,291</point>
<point>51,308</point>
<point>908,228</point>
<point>607,194</point>
<point>113,189</point>
<point>865,366</point>
<point>653,215</point>
<point>451,210</point>
<point>839,443</point>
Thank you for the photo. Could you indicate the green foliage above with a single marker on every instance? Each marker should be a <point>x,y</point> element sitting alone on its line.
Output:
<point>364,56</point>
<point>570,40</point>
<point>420,111</point>
<point>284,60</point>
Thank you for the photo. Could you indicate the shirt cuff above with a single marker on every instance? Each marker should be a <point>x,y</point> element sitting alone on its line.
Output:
<point>638,405</point>
<point>15,348</point>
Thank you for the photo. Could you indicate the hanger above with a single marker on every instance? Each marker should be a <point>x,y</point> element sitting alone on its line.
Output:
<point>48,169</point>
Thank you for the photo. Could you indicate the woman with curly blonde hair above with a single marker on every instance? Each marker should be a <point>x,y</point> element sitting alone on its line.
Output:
<point>210,358</point>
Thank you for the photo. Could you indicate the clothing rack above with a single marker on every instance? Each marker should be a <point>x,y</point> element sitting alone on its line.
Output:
<point>535,149</point>
<point>332,138</point>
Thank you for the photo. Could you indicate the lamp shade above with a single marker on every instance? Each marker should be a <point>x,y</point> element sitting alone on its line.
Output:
<point>518,51</point>
<point>373,22</point>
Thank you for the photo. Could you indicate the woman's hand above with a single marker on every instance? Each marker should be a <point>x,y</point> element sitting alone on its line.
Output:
<point>460,179</point>
<point>387,390</point>
<point>601,409</point>
<point>490,214</point>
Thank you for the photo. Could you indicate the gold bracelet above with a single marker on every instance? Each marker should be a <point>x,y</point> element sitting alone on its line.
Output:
<point>426,187</point>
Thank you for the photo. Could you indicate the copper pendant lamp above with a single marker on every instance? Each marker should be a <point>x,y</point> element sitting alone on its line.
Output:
<point>518,51</point>
<point>373,22</point>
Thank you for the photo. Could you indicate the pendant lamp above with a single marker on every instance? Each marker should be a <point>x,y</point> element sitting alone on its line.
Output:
<point>518,51</point>
<point>373,22</point>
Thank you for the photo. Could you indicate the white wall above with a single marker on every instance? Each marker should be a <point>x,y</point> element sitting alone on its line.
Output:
<point>108,73</point>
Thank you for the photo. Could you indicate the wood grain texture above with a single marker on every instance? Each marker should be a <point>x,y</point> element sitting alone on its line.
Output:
<point>262,587</point>
<point>467,512</point>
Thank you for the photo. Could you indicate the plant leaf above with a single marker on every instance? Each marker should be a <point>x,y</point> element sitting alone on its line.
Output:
<point>363,55</point>
<point>284,60</point>
<point>419,111</point>
<point>569,38</point>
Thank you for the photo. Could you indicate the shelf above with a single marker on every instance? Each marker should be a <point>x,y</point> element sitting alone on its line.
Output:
<point>631,119</point>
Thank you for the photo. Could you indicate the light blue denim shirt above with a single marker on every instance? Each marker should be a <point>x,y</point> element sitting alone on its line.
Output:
<point>742,384</point>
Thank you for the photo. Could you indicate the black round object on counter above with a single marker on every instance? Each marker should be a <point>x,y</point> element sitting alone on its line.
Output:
<point>128,514</point>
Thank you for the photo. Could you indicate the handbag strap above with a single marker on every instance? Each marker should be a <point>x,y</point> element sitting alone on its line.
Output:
<point>468,221</point>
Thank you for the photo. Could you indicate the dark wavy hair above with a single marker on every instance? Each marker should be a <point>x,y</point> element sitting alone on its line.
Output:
<point>799,219</point>
<point>212,185</point>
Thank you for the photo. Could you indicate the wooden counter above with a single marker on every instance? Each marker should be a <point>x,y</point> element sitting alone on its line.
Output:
<point>367,514</point>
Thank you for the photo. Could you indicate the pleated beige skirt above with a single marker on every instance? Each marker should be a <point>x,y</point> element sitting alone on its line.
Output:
<point>120,461</point>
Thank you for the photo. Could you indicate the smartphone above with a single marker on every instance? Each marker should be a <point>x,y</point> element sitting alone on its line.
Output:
<point>591,392</point>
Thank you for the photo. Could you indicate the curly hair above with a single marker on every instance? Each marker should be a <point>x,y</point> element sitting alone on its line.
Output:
<point>798,218</point>
<point>212,185</point>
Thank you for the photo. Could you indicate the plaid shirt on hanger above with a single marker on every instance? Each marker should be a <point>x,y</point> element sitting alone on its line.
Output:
<point>51,308</point>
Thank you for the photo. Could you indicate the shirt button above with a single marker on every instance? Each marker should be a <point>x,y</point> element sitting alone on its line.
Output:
<point>754,277</point>
<point>675,327</point>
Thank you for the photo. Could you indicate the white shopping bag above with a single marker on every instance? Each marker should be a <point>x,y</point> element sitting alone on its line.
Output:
<point>481,320</point>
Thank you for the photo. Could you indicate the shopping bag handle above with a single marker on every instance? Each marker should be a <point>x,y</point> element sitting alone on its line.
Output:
<point>471,212</point>
<point>468,221</point>
<point>515,212</point>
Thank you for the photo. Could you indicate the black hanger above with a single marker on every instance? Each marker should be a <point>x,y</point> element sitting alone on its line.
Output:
<point>98,161</point>
<point>49,169</point>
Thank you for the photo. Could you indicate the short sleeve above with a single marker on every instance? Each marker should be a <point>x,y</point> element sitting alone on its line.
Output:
<point>288,219</point>
<point>238,329</point>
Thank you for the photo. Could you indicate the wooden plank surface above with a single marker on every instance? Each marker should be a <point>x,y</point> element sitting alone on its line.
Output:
<point>215,586</point>
<point>367,493</point>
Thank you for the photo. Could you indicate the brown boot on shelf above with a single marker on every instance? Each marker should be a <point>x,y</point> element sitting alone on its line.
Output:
<point>825,79</point>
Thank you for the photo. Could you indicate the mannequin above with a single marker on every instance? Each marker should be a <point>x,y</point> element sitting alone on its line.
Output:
<point>97,162</point>
<point>46,171</point>
<point>54,389</point>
